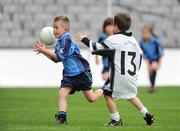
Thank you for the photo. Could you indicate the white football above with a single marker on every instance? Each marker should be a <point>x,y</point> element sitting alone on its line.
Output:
<point>47,36</point>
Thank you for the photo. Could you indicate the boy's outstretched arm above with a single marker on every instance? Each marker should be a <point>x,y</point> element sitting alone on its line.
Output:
<point>95,47</point>
<point>39,47</point>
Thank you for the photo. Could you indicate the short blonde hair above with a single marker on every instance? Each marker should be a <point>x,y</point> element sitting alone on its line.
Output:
<point>65,21</point>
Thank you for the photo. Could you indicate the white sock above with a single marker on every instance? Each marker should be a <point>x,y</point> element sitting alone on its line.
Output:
<point>143,111</point>
<point>115,116</point>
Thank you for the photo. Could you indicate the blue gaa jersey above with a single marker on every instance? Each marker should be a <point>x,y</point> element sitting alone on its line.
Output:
<point>152,50</point>
<point>68,53</point>
<point>105,60</point>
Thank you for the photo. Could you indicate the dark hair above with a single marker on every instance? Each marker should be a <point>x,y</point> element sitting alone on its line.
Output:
<point>108,21</point>
<point>64,19</point>
<point>122,21</point>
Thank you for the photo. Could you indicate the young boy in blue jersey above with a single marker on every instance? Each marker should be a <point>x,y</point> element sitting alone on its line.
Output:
<point>108,30</point>
<point>153,52</point>
<point>76,73</point>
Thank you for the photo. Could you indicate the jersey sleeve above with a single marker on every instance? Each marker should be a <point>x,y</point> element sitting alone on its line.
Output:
<point>93,45</point>
<point>98,48</point>
<point>65,50</point>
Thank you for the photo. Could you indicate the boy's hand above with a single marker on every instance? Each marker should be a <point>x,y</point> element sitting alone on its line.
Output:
<point>39,47</point>
<point>79,36</point>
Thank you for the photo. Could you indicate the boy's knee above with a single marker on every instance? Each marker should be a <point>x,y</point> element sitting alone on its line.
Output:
<point>132,99</point>
<point>63,93</point>
<point>91,100</point>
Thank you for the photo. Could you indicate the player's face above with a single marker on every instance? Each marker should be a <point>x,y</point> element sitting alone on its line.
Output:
<point>146,34</point>
<point>58,29</point>
<point>109,29</point>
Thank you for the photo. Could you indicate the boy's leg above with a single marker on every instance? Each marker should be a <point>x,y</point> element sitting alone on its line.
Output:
<point>62,98</point>
<point>137,103</point>
<point>62,104</point>
<point>114,114</point>
<point>152,75</point>
<point>105,75</point>
<point>93,96</point>
<point>143,110</point>
<point>110,104</point>
<point>152,79</point>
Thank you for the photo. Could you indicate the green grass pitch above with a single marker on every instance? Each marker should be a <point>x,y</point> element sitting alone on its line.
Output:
<point>29,109</point>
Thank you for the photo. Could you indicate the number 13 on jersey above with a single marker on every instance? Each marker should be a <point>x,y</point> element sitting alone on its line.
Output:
<point>131,56</point>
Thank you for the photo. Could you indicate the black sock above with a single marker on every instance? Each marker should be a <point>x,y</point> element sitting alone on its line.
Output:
<point>153,78</point>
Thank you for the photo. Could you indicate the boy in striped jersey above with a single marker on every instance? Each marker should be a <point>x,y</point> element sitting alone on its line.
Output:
<point>125,57</point>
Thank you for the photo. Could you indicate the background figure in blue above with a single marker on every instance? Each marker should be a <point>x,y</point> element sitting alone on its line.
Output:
<point>108,30</point>
<point>153,52</point>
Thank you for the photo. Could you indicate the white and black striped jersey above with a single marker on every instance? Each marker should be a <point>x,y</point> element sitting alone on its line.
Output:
<point>125,57</point>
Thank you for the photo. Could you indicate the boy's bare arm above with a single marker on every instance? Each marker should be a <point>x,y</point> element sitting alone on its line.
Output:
<point>39,47</point>
<point>50,54</point>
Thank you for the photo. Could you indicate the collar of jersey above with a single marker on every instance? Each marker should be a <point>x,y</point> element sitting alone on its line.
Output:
<point>124,33</point>
<point>62,36</point>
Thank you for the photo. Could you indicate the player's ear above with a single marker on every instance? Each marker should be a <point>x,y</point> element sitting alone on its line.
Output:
<point>66,28</point>
<point>116,28</point>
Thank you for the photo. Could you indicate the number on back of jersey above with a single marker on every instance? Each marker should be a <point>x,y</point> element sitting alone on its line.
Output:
<point>128,64</point>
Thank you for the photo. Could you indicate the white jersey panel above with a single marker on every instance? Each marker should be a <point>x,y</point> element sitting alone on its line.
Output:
<point>127,60</point>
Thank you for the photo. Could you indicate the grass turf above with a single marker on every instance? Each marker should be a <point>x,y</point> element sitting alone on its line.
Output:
<point>28,109</point>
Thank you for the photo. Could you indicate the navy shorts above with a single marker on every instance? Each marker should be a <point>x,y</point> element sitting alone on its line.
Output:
<point>79,82</point>
<point>155,60</point>
<point>151,61</point>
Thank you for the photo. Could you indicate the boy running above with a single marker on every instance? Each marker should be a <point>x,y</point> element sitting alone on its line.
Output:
<point>125,57</point>
<point>76,73</point>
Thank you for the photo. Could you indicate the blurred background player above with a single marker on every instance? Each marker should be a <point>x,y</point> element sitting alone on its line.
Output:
<point>108,30</point>
<point>153,52</point>
<point>76,73</point>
